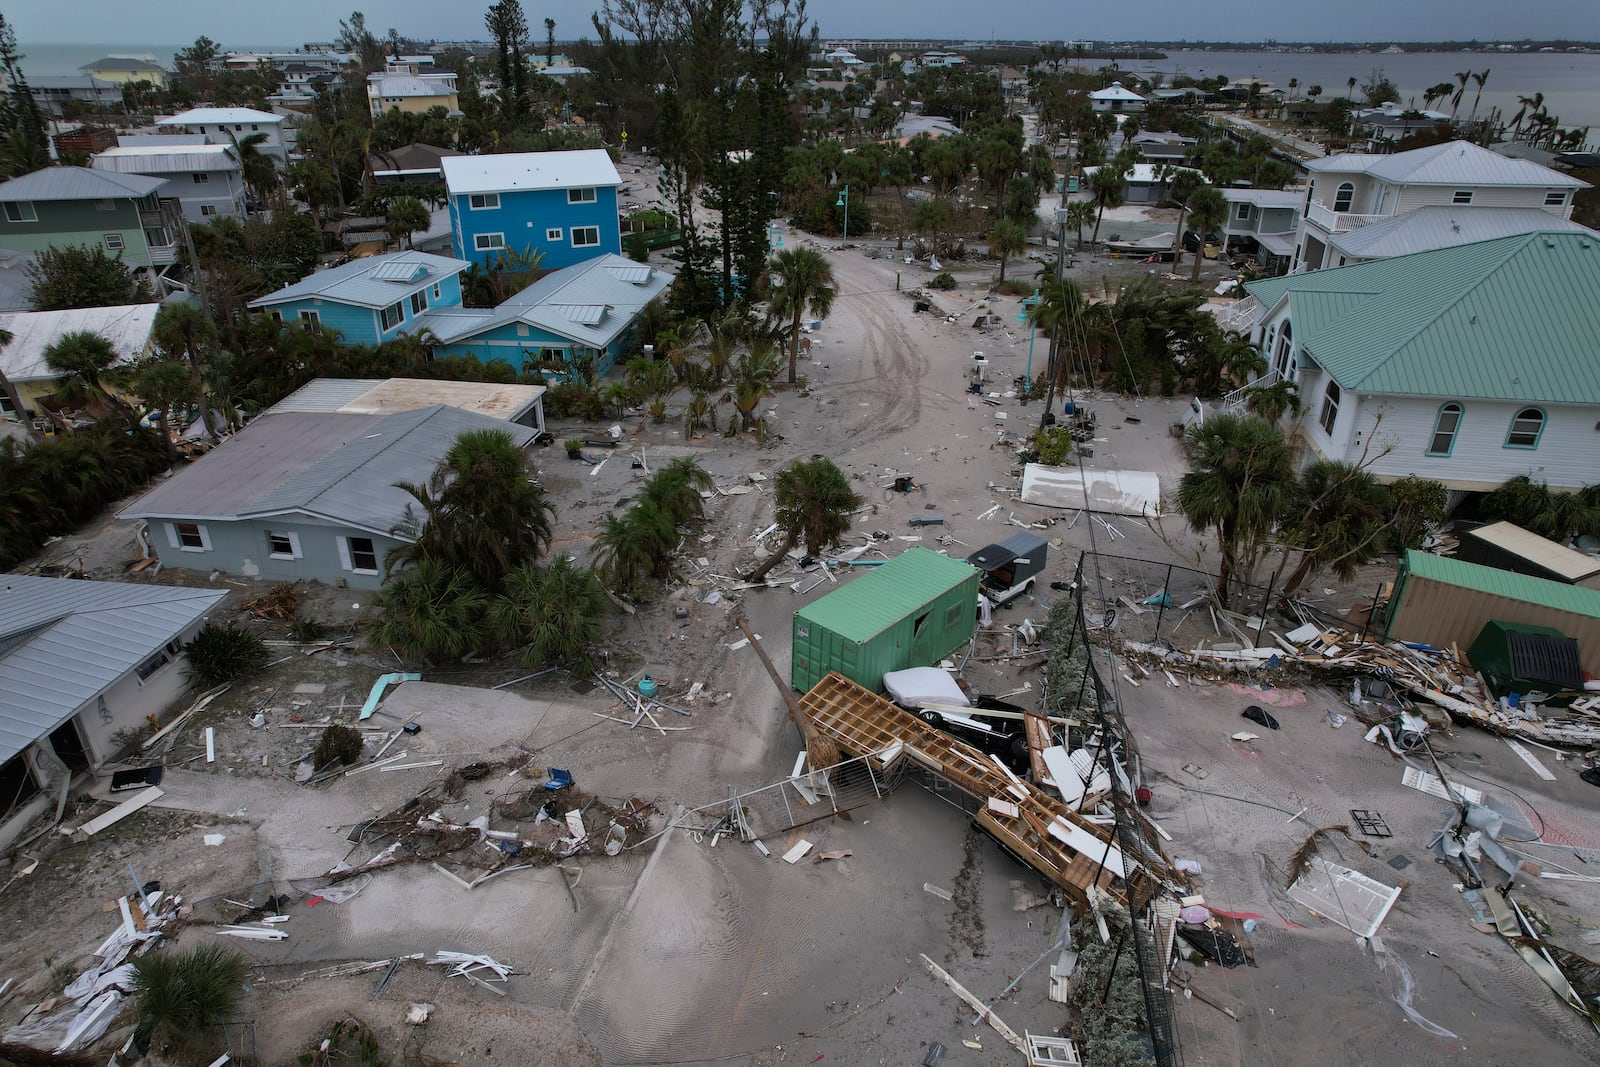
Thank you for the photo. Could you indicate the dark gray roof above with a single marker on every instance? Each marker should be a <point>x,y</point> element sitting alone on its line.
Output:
<point>337,467</point>
<point>64,641</point>
<point>78,183</point>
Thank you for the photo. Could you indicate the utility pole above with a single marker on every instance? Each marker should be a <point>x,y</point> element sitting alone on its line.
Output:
<point>1055,332</point>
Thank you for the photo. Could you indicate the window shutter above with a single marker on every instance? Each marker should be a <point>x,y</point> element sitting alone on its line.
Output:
<point>294,546</point>
<point>205,538</point>
<point>344,552</point>
<point>172,535</point>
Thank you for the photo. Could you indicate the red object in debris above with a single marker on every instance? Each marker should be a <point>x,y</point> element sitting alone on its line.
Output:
<point>313,901</point>
<point>1142,795</point>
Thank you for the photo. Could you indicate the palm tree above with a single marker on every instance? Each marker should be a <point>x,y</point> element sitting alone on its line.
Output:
<point>554,612</point>
<point>1350,89</point>
<point>1534,102</point>
<point>1007,239</point>
<point>634,548</point>
<point>259,170</point>
<point>83,357</point>
<point>164,384</point>
<point>815,503</point>
<point>1239,484</point>
<point>1079,214</point>
<point>1478,79</point>
<point>1110,184</point>
<point>1208,209</point>
<point>406,216</point>
<point>676,489</point>
<point>431,609</point>
<point>1183,189</point>
<point>479,511</point>
<point>1060,303</point>
<point>805,283</point>
<point>185,332</point>
<point>13,396</point>
<point>1455,100</point>
<point>1337,523</point>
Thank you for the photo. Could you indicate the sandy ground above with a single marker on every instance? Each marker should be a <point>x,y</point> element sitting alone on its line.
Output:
<point>681,951</point>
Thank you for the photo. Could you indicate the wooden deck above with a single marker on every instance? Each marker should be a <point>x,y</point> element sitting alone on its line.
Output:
<point>1056,841</point>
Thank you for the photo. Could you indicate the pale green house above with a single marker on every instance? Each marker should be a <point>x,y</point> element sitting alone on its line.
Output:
<point>61,206</point>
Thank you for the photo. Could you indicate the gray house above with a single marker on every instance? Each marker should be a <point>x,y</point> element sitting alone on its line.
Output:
<point>304,495</point>
<point>205,179</point>
<point>1263,222</point>
<point>80,661</point>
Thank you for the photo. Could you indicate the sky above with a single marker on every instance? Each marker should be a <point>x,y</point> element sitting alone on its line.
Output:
<point>295,21</point>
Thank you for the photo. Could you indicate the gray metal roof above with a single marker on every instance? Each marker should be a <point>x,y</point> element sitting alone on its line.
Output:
<point>406,85</point>
<point>1440,226</point>
<point>166,159</point>
<point>77,183</point>
<point>517,171</point>
<point>64,641</point>
<point>338,467</point>
<point>126,326</point>
<point>1452,163</point>
<point>589,303</point>
<point>385,396</point>
<point>221,116</point>
<point>1291,198</point>
<point>360,281</point>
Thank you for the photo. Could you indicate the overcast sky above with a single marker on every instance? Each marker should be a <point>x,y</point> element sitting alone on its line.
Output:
<point>295,21</point>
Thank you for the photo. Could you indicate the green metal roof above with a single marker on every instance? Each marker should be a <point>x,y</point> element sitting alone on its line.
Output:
<point>1514,318</point>
<point>864,607</point>
<point>1558,595</point>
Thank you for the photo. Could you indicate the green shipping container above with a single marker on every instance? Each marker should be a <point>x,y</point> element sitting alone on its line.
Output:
<point>911,612</point>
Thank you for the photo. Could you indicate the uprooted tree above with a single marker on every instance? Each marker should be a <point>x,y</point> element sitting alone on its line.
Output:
<point>814,505</point>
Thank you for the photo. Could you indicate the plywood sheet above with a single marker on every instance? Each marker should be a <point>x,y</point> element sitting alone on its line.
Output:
<point>1113,492</point>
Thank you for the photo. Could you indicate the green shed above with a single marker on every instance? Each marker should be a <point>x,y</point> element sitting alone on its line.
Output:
<point>911,612</point>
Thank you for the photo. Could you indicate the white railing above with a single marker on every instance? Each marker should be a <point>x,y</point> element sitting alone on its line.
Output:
<point>1241,315</point>
<point>1235,401</point>
<point>1338,221</point>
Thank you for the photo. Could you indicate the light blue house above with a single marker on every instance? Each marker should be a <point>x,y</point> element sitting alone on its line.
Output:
<point>563,204</point>
<point>589,310</point>
<point>370,300</point>
<point>306,495</point>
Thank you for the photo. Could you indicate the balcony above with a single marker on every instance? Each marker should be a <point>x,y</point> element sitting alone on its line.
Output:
<point>1331,221</point>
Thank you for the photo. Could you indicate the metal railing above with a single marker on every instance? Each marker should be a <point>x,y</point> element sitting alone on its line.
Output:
<point>1338,221</point>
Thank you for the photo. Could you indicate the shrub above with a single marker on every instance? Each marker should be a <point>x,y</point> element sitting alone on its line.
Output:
<point>943,281</point>
<point>1419,503</point>
<point>554,612</point>
<point>307,630</point>
<point>431,610</point>
<point>339,743</point>
<point>181,992</point>
<point>1053,445</point>
<point>224,653</point>
<point>1014,287</point>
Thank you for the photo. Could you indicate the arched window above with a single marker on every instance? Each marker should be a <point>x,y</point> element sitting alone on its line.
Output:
<point>1445,426</point>
<point>1282,366</point>
<point>1330,408</point>
<point>1526,429</point>
<point>1344,197</point>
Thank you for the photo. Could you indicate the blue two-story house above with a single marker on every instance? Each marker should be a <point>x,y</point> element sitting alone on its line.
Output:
<point>563,204</point>
<point>370,300</point>
<point>588,311</point>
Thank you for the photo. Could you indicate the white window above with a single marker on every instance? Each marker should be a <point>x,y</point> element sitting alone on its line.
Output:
<point>113,241</point>
<point>436,290</point>
<point>21,211</point>
<point>358,554</point>
<point>1344,196</point>
<point>1555,199</point>
<point>392,316</point>
<point>1462,196</point>
<point>419,302</point>
<point>1526,429</point>
<point>1330,408</point>
<point>208,209</point>
<point>585,236</point>
<point>188,536</point>
<point>310,320</point>
<point>201,179</point>
<point>484,242</point>
<point>146,670</point>
<point>1243,214</point>
<point>580,196</point>
<point>283,545</point>
<point>483,201</point>
<point>1445,426</point>
<point>254,128</point>
<point>277,316</point>
<point>553,233</point>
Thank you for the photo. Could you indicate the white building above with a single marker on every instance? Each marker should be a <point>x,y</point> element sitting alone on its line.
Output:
<point>205,179</point>
<point>230,125</point>
<point>1353,189</point>
<point>1469,365</point>
<point>1116,99</point>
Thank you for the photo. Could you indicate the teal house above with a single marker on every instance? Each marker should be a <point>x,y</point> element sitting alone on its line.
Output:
<point>560,204</point>
<point>371,300</point>
<point>73,206</point>
<point>584,311</point>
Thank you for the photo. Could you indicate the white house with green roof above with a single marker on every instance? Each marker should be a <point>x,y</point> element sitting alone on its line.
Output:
<point>1469,365</point>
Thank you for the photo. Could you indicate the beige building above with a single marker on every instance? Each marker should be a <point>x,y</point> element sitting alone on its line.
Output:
<point>121,70</point>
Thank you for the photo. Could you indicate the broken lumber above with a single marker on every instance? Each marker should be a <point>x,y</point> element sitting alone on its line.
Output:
<point>976,1005</point>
